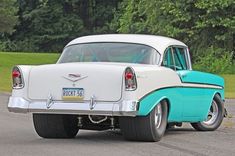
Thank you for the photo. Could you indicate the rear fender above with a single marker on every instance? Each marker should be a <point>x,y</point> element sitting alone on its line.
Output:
<point>148,103</point>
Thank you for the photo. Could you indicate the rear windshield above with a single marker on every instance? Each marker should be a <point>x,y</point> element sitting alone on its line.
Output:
<point>110,52</point>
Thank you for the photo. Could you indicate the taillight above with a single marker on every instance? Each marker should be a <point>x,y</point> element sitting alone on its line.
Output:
<point>17,79</point>
<point>130,79</point>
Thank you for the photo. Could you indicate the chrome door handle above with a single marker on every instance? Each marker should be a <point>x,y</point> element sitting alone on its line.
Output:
<point>183,75</point>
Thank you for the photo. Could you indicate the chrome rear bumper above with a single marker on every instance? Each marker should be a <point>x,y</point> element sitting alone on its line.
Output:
<point>121,108</point>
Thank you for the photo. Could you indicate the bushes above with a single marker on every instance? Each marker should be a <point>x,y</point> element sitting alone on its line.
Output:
<point>16,46</point>
<point>214,60</point>
<point>46,26</point>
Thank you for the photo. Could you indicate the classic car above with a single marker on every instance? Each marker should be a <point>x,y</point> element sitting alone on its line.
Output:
<point>136,83</point>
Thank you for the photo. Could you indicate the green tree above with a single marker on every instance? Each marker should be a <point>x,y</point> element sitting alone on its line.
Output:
<point>200,24</point>
<point>8,17</point>
<point>96,15</point>
<point>47,25</point>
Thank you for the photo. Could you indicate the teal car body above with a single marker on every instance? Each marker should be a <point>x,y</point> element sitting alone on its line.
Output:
<point>190,101</point>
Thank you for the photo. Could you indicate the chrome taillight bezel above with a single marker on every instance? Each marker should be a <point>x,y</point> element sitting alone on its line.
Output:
<point>20,79</point>
<point>131,80</point>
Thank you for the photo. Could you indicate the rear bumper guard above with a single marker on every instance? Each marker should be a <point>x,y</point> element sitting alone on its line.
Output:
<point>121,108</point>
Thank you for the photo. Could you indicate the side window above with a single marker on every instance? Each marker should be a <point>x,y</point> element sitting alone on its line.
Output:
<point>180,58</point>
<point>168,60</point>
<point>177,59</point>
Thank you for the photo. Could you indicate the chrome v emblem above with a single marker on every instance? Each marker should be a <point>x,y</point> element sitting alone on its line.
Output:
<point>74,77</point>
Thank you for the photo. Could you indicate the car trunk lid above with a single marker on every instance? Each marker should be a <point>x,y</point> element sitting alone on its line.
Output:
<point>99,80</point>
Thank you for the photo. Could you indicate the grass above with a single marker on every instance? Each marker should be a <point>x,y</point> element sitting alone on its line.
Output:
<point>229,85</point>
<point>8,60</point>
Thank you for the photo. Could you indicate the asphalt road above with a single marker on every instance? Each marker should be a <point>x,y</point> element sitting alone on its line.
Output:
<point>17,137</point>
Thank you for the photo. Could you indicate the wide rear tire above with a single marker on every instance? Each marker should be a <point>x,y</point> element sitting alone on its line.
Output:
<point>146,128</point>
<point>55,125</point>
<point>215,116</point>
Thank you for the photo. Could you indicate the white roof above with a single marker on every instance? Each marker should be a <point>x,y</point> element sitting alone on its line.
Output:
<point>160,43</point>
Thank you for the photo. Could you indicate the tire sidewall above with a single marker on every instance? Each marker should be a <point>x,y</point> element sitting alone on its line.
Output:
<point>159,132</point>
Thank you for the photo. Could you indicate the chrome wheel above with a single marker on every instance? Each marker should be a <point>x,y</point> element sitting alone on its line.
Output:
<point>158,115</point>
<point>212,115</point>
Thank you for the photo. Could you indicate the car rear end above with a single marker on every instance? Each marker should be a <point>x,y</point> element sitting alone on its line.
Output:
<point>74,88</point>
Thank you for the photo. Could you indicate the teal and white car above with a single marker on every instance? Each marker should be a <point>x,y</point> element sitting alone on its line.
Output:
<point>138,83</point>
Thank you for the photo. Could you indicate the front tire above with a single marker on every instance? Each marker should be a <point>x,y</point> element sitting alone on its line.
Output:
<point>55,125</point>
<point>146,128</point>
<point>215,116</point>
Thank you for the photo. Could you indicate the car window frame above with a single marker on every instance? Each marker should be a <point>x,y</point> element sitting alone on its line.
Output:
<point>156,62</point>
<point>187,57</point>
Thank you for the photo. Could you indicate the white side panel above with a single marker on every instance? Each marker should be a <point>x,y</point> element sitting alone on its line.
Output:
<point>154,78</point>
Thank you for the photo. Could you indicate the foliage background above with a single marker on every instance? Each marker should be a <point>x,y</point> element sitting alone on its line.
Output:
<point>207,27</point>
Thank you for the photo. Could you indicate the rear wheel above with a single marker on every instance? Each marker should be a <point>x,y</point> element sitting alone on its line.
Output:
<point>214,118</point>
<point>148,128</point>
<point>55,125</point>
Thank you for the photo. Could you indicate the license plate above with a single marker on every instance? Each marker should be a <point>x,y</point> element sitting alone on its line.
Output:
<point>73,93</point>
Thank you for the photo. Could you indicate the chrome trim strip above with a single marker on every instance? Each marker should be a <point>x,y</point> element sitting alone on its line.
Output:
<point>201,85</point>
